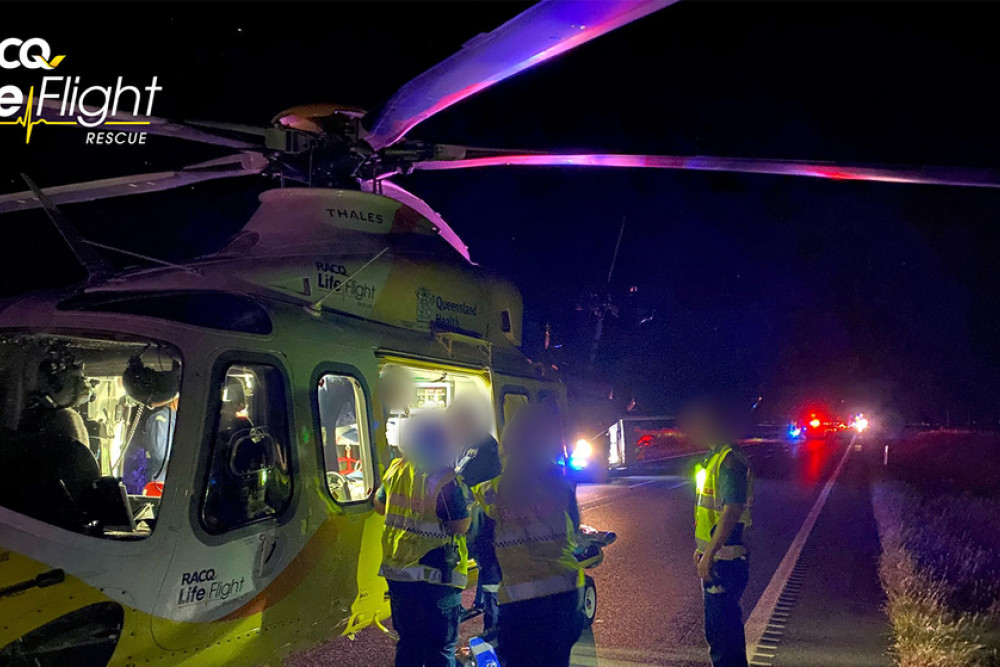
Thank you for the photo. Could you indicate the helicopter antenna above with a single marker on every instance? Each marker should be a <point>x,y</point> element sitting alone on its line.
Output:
<point>618,244</point>
<point>97,267</point>
<point>129,253</point>
<point>317,307</point>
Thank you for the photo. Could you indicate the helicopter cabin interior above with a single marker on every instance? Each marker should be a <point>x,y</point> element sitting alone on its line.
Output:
<point>434,389</point>
<point>67,421</point>
<point>126,449</point>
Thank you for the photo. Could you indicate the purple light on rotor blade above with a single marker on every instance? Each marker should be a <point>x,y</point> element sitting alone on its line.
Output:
<point>393,191</point>
<point>542,32</point>
<point>987,178</point>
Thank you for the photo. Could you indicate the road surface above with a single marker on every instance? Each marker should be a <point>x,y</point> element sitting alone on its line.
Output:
<point>650,609</point>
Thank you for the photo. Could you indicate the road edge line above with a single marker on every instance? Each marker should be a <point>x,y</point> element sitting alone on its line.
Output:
<point>760,616</point>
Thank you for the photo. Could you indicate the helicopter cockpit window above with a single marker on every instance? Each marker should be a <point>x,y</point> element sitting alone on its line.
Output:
<point>87,430</point>
<point>249,473</point>
<point>346,450</point>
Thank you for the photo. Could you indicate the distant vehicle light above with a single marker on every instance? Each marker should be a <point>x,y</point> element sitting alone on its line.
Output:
<point>582,451</point>
<point>860,424</point>
<point>794,431</point>
<point>814,423</point>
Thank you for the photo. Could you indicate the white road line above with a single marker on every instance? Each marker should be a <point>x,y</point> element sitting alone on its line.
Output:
<point>600,501</point>
<point>768,602</point>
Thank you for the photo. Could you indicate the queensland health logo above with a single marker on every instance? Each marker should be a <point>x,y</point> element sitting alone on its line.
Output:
<point>64,99</point>
<point>432,308</point>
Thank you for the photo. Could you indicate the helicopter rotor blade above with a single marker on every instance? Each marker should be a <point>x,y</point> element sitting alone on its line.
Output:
<point>126,122</point>
<point>456,157</point>
<point>542,32</point>
<point>391,190</point>
<point>243,164</point>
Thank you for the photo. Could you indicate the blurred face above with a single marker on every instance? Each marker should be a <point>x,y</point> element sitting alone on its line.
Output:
<point>701,429</point>
<point>397,389</point>
<point>531,439</point>
<point>708,425</point>
<point>429,444</point>
<point>468,422</point>
<point>462,426</point>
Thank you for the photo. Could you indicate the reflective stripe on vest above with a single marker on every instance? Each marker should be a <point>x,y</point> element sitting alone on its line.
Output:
<point>412,528</point>
<point>708,507</point>
<point>423,573</point>
<point>412,525</point>
<point>538,588</point>
<point>535,551</point>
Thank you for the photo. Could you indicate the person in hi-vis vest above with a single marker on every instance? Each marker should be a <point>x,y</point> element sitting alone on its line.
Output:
<point>724,495</point>
<point>471,423</point>
<point>533,509</point>
<point>424,556</point>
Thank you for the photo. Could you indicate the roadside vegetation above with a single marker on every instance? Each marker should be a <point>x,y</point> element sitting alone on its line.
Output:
<point>938,512</point>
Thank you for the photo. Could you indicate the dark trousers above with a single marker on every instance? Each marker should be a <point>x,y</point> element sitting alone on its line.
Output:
<point>426,617</point>
<point>540,632</point>
<point>481,548</point>
<point>487,601</point>
<point>723,618</point>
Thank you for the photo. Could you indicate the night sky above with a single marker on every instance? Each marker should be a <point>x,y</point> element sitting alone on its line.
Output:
<point>877,295</point>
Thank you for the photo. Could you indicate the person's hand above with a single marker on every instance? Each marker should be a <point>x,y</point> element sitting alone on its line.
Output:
<point>697,558</point>
<point>704,566</point>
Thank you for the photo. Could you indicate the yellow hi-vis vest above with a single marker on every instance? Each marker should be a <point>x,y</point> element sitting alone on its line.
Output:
<point>412,528</point>
<point>708,508</point>
<point>535,551</point>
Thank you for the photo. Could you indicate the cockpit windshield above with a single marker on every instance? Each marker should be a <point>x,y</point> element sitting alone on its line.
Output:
<point>86,429</point>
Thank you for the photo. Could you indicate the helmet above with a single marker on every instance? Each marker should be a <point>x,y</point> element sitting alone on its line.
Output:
<point>151,387</point>
<point>60,377</point>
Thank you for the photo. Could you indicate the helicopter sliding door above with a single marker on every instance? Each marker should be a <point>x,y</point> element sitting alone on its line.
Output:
<point>347,588</point>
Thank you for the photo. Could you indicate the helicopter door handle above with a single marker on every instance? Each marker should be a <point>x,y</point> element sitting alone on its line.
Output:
<point>269,554</point>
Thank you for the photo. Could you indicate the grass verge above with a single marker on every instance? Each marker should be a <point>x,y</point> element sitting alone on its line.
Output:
<point>940,563</point>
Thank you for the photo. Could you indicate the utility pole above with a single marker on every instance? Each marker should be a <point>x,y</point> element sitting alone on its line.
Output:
<point>605,305</point>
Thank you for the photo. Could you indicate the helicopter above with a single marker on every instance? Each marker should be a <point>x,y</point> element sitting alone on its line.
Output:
<point>252,535</point>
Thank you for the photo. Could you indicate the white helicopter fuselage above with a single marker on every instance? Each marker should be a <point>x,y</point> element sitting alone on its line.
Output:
<point>311,295</point>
